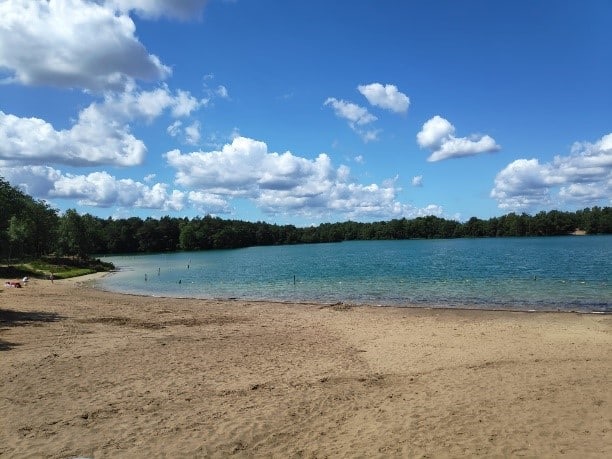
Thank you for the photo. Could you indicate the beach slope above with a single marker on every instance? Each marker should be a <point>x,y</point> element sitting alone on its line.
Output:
<point>97,374</point>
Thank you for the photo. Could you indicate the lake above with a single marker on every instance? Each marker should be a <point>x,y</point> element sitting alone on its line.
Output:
<point>570,273</point>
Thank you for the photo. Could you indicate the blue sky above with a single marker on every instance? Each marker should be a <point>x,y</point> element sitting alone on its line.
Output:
<point>307,112</point>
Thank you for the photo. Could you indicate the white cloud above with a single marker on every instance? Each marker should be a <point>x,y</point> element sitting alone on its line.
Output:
<point>583,177</point>
<point>184,104</point>
<point>89,142</point>
<point>387,97</point>
<point>431,209</point>
<point>522,184</point>
<point>73,44</point>
<point>368,135</point>
<point>586,192</point>
<point>243,167</point>
<point>434,132</point>
<point>438,135</point>
<point>192,133</point>
<point>33,180</point>
<point>180,9</point>
<point>209,181</point>
<point>208,202</point>
<point>148,105</point>
<point>359,159</point>
<point>98,189</point>
<point>353,113</point>
<point>222,92</point>
<point>455,148</point>
<point>356,116</point>
<point>212,93</point>
<point>282,182</point>
<point>417,180</point>
<point>101,134</point>
<point>175,128</point>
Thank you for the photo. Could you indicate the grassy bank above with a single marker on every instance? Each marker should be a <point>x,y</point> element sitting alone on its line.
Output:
<point>61,267</point>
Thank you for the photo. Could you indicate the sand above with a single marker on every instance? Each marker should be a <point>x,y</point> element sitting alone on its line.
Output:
<point>87,373</point>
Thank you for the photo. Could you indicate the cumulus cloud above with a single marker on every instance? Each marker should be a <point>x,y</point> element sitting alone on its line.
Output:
<point>183,104</point>
<point>98,189</point>
<point>100,135</point>
<point>208,202</point>
<point>583,177</point>
<point>351,112</point>
<point>277,183</point>
<point>586,192</point>
<point>175,128</point>
<point>192,133</point>
<point>417,180</point>
<point>522,184</point>
<point>356,116</point>
<point>438,135</point>
<point>148,105</point>
<point>243,167</point>
<point>434,132</point>
<point>33,180</point>
<point>431,209</point>
<point>72,44</point>
<point>91,141</point>
<point>387,97</point>
<point>282,182</point>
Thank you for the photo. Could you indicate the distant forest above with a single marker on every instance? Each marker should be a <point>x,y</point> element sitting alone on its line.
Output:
<point>31,228</point>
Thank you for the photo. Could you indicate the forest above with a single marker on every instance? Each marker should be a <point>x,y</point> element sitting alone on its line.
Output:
<point>31,229</point>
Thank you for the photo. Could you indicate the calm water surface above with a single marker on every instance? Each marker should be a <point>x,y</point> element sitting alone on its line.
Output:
<point>566,273</point>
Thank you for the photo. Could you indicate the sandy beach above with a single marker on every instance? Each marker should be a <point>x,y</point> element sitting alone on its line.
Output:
<point>87,373</point>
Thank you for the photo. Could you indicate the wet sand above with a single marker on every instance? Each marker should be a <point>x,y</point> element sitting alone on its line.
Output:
<point>96,374</point>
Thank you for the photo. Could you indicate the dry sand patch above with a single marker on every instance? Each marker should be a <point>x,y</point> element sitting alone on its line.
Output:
<point>98,374</point>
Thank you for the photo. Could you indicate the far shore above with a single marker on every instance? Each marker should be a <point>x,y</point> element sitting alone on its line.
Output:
<point>91,373</point>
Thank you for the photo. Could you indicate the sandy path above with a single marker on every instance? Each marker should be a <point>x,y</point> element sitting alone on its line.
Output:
<point>97,374</point>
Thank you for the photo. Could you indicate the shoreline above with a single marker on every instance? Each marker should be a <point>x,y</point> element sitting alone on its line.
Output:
<point>350,305</point>
<point>93,373</point>
<point>466,306</point>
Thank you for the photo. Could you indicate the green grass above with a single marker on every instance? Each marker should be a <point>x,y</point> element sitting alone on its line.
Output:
<point>62,268</point>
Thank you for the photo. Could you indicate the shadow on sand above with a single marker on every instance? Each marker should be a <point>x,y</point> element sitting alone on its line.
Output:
<point>10,318</point>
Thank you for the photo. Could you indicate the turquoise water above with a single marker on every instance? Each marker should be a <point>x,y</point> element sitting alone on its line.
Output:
<point>555,273</point>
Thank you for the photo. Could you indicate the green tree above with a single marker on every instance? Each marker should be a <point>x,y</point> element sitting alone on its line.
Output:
<point>45,223</point>
<point>19,234</point>
<point>33,228</point>
<point>73,236</point>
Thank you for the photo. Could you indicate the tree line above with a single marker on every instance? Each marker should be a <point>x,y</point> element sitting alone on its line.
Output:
<point>31,228</point>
